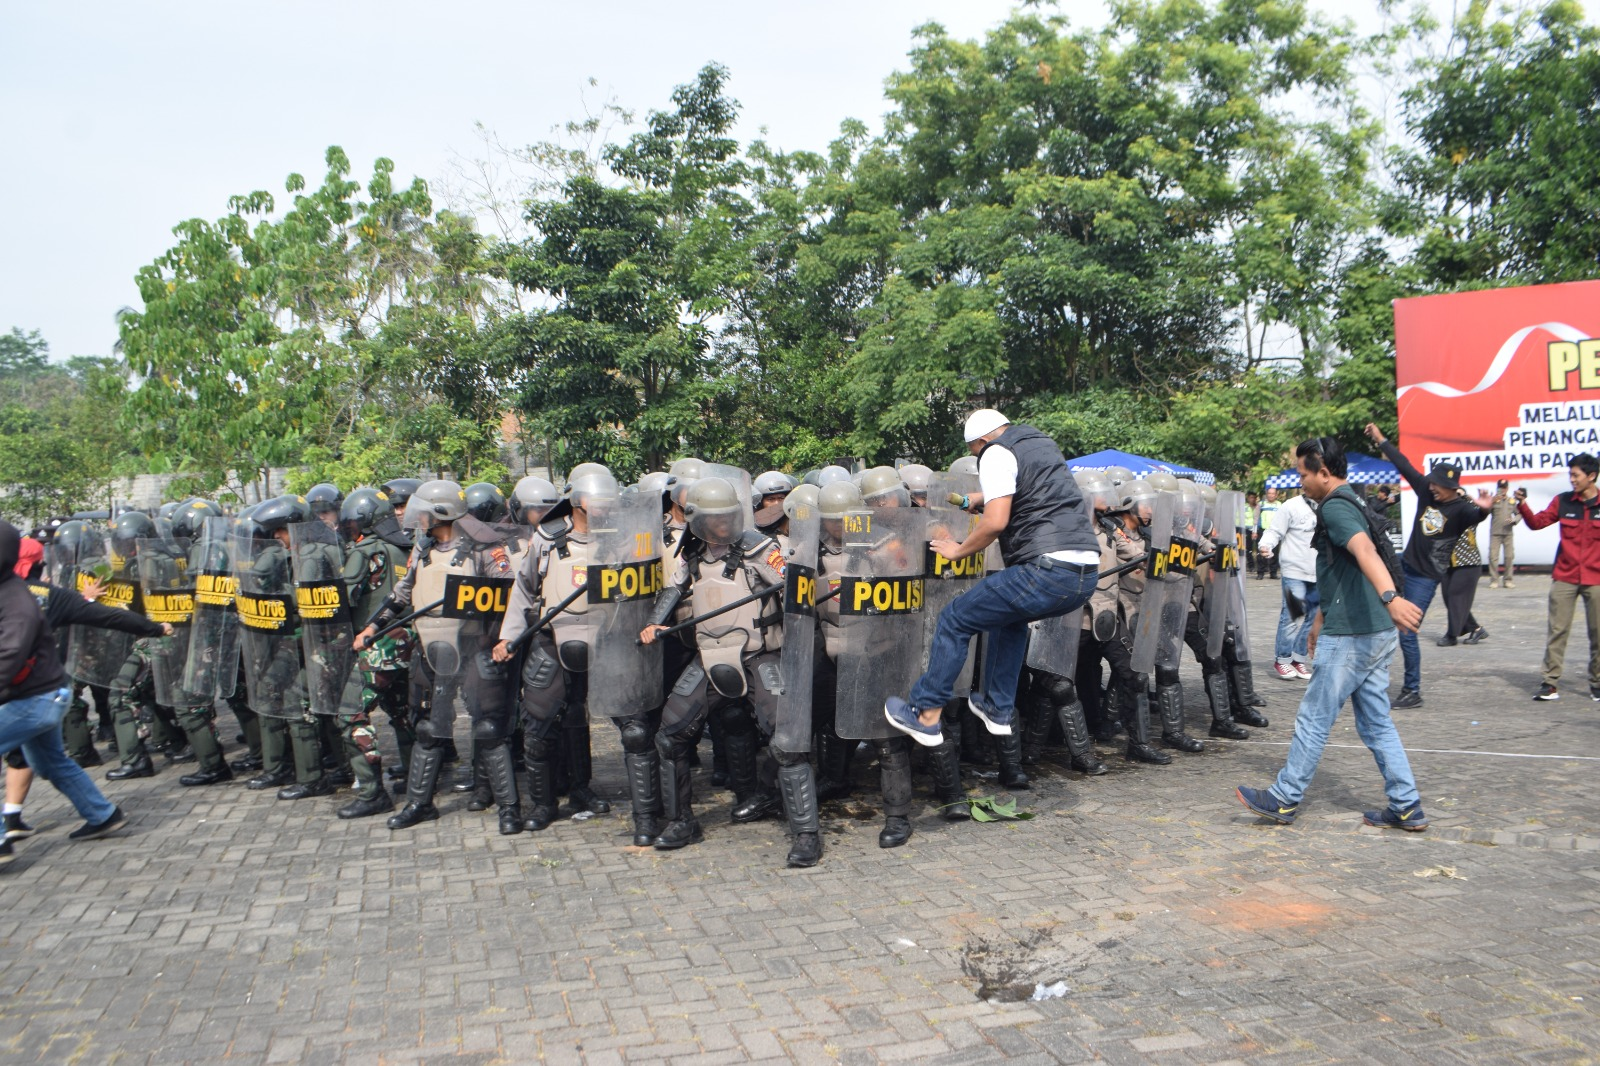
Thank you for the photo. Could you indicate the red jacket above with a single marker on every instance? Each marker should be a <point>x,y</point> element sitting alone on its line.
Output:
<point>1578,557</point>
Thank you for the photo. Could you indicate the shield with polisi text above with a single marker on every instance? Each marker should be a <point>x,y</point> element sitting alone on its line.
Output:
<point>621,583</point>
<point>1227,528</point>
<point>1158,587</point>
<point>792,726</point>
<point>881,616</point>
<point>946,580</point>
<point>327,632</point>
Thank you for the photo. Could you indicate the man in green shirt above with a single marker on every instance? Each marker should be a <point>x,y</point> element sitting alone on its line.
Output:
<point>1353,637</point>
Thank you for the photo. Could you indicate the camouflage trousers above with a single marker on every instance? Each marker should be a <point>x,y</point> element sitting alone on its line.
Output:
<point>385,683</point>
<point>135,713</point>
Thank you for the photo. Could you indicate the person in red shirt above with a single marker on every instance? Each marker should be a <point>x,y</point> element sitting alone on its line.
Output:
<point>1576,573</point>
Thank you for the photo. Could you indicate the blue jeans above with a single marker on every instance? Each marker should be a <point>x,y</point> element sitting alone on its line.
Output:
<point>1419,590</point>
<point>34,725</point>
<point>1293,634</point>
<point>1001,606</point>
<point>1354,668</point>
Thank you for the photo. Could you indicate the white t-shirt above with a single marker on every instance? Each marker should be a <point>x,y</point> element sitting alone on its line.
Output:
<point>997,477</point>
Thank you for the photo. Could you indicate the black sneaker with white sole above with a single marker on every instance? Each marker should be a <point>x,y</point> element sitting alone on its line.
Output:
<point>1547,692</point>
<point>16,828</point>
<point>89,832</point>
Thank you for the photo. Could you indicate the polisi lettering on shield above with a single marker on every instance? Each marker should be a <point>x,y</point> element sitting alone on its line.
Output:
<point>799,590</point>
<point>1567,358</point>
<point>476,597</point>
<point>619,583</point>
<point>1228,557</point>
<point>968,569</point>
<point>889,595</point>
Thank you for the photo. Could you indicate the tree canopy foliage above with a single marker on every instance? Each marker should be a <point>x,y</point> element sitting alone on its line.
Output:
<point>1178,233</point>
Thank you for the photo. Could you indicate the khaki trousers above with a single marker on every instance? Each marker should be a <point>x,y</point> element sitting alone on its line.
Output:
<point>1501,543</point>
<point>1563,601</point>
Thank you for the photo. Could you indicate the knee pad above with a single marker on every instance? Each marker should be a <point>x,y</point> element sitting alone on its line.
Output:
<point>738,718</point>
<point>487,733</point>
<point>788,758</point>
<point>539,670</point>
<point>425,737</point>
<point>636,738</point>
<point>1165,676</point>
<point>1055,688</point>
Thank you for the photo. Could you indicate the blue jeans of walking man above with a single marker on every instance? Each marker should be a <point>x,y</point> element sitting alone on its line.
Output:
<point>1001,606</point>
<point>1294,633</point>
<point>1354,668</point>
<point>1419,590</point>
<point>34,725</point>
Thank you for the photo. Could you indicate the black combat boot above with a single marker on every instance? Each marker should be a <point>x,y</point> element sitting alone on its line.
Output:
<point>1136,717</point>
<point>366,808</point>
<point>1169,698</point>
<point>1009,750</point>
<point>894,775</point>
<point>644,789</point>
<point>945,762</point>
<point>1222,723</point>
<point>206,777</point>
<point>419,808</point>
<point>141,766</point>
<point>541,810</point>
<point>1243,697</point>
<point>1076,730</point>
<point>799,789</point>
<point>677,798</point>
<point>580,767</point>
<point>833,765</point>
<point>502,775</point>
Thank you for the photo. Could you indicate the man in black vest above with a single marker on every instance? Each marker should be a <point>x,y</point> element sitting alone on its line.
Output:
<point>1031,505</point>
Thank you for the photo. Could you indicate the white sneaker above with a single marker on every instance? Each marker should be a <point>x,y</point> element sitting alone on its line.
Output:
<point>1302,669</point>
<point>1494,583</point>
<point>1286,672</point>
<point>1510,584</point>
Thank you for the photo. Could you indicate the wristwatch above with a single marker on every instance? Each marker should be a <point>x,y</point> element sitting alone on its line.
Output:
<point>1387,596</point>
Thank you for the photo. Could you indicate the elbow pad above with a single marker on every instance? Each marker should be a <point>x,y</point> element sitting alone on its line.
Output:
<point>667,601</point>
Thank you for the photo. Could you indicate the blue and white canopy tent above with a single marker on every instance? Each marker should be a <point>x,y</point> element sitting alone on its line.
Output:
<point>1364,470</point>
<point>1141,465</point>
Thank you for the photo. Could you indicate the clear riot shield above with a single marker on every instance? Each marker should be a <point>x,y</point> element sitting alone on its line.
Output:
<point>1228,531</point>
<point>1158,590</point>
<point>621,582</point>
<point>880,616</point>
<point>1053,643</point>
<point>327,634</point>
<point>94,655</point>
<point>1183,558</point>
<point>472,575</point>
<point>264,602</point>
<point>791,730</point>
<point>740,480</point>
<point>167,588</point>
<point>945,580</point>
<point>212,666</point>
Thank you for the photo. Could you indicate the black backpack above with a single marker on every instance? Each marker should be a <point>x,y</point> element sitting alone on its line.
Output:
<point>1377,532</point>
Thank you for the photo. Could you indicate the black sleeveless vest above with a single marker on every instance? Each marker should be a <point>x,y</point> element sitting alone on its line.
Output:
<point>1048,513</point>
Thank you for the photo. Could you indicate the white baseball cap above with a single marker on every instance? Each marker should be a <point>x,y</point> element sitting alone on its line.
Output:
<point>982,423</point>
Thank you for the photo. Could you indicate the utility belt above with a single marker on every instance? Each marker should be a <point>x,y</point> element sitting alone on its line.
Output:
<point>1044,562</point>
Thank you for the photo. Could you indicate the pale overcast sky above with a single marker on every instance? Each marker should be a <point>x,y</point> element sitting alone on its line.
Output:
<point>121,119</point>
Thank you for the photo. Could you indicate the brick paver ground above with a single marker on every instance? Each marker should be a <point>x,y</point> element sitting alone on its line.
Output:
<point>226,926</point>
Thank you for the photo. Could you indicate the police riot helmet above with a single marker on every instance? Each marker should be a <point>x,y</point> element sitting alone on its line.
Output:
<point>592,485</point>
<point>1162,481</point>
<point>434,502</point>
<point>1118,475</point>
<point>917,478</point>
<point>1097,489</point>
<point>839,499</point>
<point>281,512</point>
<point>830,474</point>
<point>714,511</point>
<point>1138,497</point>
<point>399,490</point>
<point>532,493</point>
<point>486,502</point>
<point>166,509</point>
<point>584,469</point>
<point>772,483</point>
<point>324,498</point>
<point>363,509</point>
<point>128,528</point>
<point>689,469</point>
<point>967,464</point>
<point>802,496</point>
<point>73,540</point>
<point>881,487</point>
<point>188,520</point>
